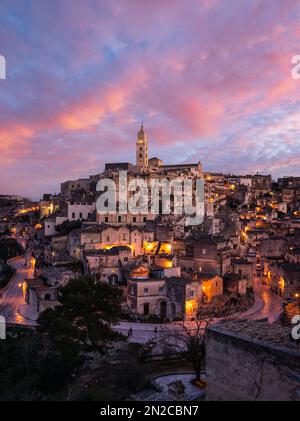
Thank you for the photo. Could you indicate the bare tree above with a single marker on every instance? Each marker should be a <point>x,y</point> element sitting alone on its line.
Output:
<point>188,338</point>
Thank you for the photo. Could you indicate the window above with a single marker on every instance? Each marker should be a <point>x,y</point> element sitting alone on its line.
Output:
<point>161,289</point>
<point>119,218</point>
<point>106,219</point>
<point>203,251</point>
<point>73,215</point>
<point>125,259</point>
<point>80,215</point>
<point>145,218</point>
<point>192,293</point>
<point>146,290</point>
<point>134,219</point>
<point>107,238</point>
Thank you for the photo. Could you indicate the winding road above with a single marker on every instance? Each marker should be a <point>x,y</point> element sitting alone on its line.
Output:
<point>12,295</point>
<point>267,306</point>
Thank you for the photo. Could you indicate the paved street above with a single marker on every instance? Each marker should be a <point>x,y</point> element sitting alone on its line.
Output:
<point>272,304</point>
<point>12,297</point>
<point>267,305</point>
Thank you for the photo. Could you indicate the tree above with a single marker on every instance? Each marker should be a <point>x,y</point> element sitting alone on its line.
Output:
<point>9,248</point>
<point>189,339</point>
<point>67,226</point>
<point>85,318</point>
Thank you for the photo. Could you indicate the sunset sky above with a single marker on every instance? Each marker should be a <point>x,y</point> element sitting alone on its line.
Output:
<point>211,79</point>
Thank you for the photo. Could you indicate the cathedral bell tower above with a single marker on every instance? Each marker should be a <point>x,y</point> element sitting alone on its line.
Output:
<point>142,149</point>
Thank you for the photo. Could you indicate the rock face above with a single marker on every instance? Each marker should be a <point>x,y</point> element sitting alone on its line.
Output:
<point>252,361</point>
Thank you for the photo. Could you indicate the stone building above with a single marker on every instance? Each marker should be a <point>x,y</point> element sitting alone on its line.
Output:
<point>211,284</point>
<point>244,269</point>
<point>96,237</point>
<point>165,294</point>
<point>284,279</point>
<point>212,255</point>
<point>80,211</point>
<point>68,188</point>
<point>39,295</point>
<point>273,247</point>
<point>145,295</point>
<point>107,264</point>
<point>233,283</point>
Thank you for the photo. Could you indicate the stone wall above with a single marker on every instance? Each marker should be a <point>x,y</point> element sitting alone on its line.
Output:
<point>241,369</point>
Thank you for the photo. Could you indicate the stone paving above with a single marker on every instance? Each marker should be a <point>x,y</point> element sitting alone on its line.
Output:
<point>192,393</point>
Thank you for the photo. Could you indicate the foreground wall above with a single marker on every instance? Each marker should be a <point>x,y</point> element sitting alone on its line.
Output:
<point>242,369</point>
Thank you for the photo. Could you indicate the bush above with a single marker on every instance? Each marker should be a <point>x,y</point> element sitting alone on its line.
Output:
<point>9,248</point>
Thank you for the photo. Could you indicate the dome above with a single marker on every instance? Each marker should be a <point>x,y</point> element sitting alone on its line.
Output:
<point>139,273</point>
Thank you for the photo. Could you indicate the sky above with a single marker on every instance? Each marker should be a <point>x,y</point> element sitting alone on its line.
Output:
<point>210,79</point>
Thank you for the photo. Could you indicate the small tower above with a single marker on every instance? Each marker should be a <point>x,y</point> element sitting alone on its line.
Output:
<point>142,148</point>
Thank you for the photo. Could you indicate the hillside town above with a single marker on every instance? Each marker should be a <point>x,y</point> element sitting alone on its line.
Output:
<point>242,262</point>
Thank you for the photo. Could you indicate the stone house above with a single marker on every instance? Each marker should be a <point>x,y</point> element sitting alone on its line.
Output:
<point>107,264</point>
<point>244,269</point>
<point>171,297</point>
<point>212,285</point>
<point>211,255</point>
<point>74,242</point>
<point>273,247</point>
<point>95,237</point>
<point>285,279</point>
<point>39,295</point>
<point>80,211</point>
<point>293,255</point>
<point>233,283</point>
<point>68,188</point>
<point>147,296</point>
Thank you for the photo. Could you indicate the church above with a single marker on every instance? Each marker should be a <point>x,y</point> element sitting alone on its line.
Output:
<point>144,165</point>
<point>147,169</point>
